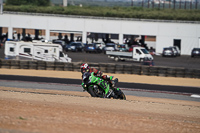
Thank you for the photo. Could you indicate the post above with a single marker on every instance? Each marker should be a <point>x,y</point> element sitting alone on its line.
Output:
<point>1,6</point>
<point>64,3</point>
<point>72,37</point>
<point>174,4</point>
<point>23,34</point>
<point>121,38</point>
<point>36,34</point>
<point>0,31</point>
<point>10,32</point>
<point>47,34</point>
<point>84,37</point>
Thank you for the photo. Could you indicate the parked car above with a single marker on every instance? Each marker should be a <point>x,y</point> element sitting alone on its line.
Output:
<point>178,52</point>
<point>62,43</point>
<point>93,47</point>
<point>195,52</point>
<point>169,52</point>
<point>100,45</point>
<point>74,46</point>
<point>122,47</point>
<point>109,47</point>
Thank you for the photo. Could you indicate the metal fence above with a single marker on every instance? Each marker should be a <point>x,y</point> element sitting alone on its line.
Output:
<point>162,4</point>
<point>104,67</point>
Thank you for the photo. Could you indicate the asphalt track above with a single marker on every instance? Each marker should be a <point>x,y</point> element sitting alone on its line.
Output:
<point>126,86</point>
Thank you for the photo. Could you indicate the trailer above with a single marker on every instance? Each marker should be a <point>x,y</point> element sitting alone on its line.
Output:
<point>139,54</point>
<point>21,50</point>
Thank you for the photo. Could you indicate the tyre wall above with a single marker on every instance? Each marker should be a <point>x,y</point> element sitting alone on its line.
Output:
<point>104,67</point>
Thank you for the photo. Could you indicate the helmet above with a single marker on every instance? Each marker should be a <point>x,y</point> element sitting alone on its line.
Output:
<point>84,68</point>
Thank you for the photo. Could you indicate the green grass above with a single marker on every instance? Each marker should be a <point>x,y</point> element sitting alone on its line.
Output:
<point>21,118</point>
<point>119,12</point>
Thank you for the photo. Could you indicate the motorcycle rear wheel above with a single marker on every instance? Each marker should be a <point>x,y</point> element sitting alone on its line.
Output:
<point>91,91</point>
<point>95,92</point>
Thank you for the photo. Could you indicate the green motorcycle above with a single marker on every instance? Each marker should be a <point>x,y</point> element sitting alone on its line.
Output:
<point>98,87</point>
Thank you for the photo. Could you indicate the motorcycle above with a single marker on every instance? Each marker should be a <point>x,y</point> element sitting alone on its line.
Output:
<point>98,87</point>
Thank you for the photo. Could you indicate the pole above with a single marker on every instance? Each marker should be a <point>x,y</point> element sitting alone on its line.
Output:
<point>64,3</point>
<point>1,6</point>
<point>174,4</point>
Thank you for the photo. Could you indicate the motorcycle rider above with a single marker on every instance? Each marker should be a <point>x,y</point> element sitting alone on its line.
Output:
<point>85,68</point>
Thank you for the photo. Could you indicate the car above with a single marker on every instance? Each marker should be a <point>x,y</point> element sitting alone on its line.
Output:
<point>93,47</point>
<point>74,46</point>
<point>195,52</point>
<point>178,52</point>
<point>100,45</point>
<point>62,43</point>
<point>122,47</point>
<point>169,51</point>
<point>109,47</point>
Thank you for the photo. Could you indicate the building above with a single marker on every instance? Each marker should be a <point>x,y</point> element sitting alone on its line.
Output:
<point>184,34</point>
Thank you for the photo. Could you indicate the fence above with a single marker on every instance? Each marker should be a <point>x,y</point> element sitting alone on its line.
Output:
<point>106,68</point>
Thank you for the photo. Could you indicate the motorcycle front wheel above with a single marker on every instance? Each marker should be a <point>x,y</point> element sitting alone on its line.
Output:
<point>122,96</point>
<point>119,95</point>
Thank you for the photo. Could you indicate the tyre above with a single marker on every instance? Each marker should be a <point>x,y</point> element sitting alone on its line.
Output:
<point>119,95</point>
<point>116,58</point>
<point>96,91</point>
<point>141,59</point>
<point>122,96</point>
<point>91,91</point>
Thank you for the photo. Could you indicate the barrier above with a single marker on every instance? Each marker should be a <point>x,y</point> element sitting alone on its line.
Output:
<point>33,64</point>
<point>104,67</point>
<point>68,67</point>
<point>120,69</point>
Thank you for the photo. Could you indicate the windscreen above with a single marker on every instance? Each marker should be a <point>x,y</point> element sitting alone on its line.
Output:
<point>144,51</point>
<point>61,54</point>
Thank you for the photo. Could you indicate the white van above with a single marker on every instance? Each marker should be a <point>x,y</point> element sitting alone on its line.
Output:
<point>35,51</point>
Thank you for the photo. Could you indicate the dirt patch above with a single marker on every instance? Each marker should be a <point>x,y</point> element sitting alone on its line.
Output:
<point>50,111</point>
<point>60,111</point>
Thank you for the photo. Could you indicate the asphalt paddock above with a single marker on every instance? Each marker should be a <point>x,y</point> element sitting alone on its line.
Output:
<point>183,61</point>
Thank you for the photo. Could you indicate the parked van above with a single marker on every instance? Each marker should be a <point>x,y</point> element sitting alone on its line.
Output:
<point>35,51</point>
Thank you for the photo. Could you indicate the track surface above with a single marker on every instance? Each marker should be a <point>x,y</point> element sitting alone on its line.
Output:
<point>175,89</point>
<point>132,89</point>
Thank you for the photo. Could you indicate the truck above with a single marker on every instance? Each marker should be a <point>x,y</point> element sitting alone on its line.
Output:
<point>139,54</point>
<point>21,50</point>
